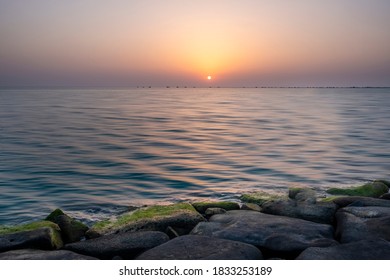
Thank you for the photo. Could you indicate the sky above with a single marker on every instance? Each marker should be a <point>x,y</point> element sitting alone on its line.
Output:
<point>181,42</point>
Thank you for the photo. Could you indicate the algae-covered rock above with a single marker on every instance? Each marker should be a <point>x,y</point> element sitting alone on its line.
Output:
<point>181,216</point>
<point>37,235</point>
<point>260,197</point>
<point>302,194</point>
<point>372,189</point>
<point>71,229</point>
<point>202,206</point>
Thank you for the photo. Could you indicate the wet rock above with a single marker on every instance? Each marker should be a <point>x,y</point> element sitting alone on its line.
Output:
<point>124,245</point>
<point>279,236</point>
<point>303,195</point>
<point>181,216</point>
<point>31,254</point>
<point>360,250</point>
<point>360,201</point>
<point>71,229</point>
<point>359,223</point>
<point>38,235</point>
<point>372,189</point>
<point>385,196</point>
<point>193,247</point>
<point>202,206</point>
<point>319,212</point>
<point>260,197</point>
<point>214,211</point>
<point>251,206</point>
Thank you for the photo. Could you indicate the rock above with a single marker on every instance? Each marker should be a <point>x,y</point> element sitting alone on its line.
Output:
<point>360,250</point>
<point>37,235</point>
<point>385,196</point>
<point>319,212</point>
<point>278,236</point>
<point>372,189</point>
<point>302,194</point>
<point>193,247</point>
<point>251,206</point>
<point>124,245</point>
<point>260,197</point>
<point>201,207</point>
<point>214,211</point>
<point>71,229</point>
<point>359,223</point>
<point>344,201</point>
<point>181,216</point>
<point>31,254</point>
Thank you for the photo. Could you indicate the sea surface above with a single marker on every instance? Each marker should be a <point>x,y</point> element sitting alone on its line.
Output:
<point>95,152</point>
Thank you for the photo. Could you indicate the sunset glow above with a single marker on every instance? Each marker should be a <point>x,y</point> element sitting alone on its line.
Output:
<point>249,42</point>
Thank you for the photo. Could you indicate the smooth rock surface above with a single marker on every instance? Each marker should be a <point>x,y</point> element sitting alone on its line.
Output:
<point>279,235</point>
<point>318,212</point>
<point>359,223</point>
<point>360,250</point>
<point>360,201</point>
<point>194,247</point>
<point>31,254</point>
<point>45,238</point>
<point>124,245</point>
<point>251,206</point>
<point>214,211</point>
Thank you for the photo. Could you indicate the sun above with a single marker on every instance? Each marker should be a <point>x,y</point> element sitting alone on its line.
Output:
<point>209,77</point>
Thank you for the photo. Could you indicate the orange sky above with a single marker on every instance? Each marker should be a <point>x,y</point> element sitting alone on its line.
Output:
<point>238,43</point>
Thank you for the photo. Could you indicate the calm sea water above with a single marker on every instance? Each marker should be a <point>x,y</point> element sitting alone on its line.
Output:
<point>93,152</point>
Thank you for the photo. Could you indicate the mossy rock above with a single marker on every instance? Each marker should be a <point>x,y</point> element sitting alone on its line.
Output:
<point>28,227</point>
<point>71,229</point>
<point>202,206</point>
<point>261,197</point>
<point>158,217</point>
<point>372,189</point>
<point>38,235</point>
<point>387,183</point>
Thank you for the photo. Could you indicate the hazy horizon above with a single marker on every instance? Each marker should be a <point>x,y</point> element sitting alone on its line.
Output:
<point>180,43</point>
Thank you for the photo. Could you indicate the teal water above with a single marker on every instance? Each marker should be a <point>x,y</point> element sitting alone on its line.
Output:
<point>93,152</point>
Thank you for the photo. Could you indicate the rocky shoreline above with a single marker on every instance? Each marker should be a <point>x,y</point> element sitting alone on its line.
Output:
<point>351,224</point>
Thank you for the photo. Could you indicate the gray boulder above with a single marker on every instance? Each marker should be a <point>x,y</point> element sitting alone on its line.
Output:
<point>279,236</point>
<point>314,212</point>
<point>31,254</point>
<point>360,201</point>
<point>359,223</point>
<point>302,194</point>
<point>124,245</point>
<point>360,250</point>
<point>193,247</point>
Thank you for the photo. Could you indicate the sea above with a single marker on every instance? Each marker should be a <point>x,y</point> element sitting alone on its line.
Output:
<point>95,152</point>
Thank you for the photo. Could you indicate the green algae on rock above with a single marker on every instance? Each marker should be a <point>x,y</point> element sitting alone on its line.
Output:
<point>372,189</point>
<point>158,217</point>
<point>202,206</point>
<point>71,229</point>
<point>260,197</point>
<point>37,235</point>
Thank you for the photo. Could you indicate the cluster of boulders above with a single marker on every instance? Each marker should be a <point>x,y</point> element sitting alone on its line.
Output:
<point>354,224</point>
